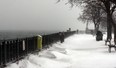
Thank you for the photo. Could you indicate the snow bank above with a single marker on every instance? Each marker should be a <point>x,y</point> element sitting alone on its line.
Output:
<point>78,51</point>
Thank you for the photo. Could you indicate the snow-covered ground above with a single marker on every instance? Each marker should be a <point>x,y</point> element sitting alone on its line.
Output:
<point>78,51</point>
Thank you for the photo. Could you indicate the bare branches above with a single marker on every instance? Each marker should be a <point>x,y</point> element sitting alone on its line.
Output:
<point>94,9</point>
<point>113,9</point>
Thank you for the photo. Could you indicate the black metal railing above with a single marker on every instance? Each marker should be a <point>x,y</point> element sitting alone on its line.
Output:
<point>13,50</point>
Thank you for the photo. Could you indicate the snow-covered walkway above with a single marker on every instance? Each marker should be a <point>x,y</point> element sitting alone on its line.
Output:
<point>78,51</point>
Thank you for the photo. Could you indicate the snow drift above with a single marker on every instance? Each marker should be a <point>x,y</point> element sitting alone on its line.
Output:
<point>78,51</point>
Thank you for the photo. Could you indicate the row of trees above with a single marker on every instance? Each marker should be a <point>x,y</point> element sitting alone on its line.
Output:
<point>100,12</point>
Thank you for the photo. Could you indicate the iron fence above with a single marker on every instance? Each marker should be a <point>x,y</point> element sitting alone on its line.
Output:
<point>13,50</point>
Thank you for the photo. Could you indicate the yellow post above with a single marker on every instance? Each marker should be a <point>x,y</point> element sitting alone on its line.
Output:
<point>39,42</point>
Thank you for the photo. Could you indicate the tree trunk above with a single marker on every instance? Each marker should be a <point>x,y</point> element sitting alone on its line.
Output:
<point>96,27</point>
<point>109,26</point>
<point>109,17</point>
<point>114,26</point>
<point>114,34</point>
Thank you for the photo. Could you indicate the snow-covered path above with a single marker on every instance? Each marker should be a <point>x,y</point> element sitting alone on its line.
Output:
<point>78,51</point>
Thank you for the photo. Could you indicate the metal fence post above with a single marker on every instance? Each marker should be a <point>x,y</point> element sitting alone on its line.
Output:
<point>0,54</point>
<point>4,53</point>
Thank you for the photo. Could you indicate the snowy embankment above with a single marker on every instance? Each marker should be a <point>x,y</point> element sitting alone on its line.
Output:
<point>78,51</point>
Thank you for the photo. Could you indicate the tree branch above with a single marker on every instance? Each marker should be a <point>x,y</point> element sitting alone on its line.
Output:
<point>113,9</point>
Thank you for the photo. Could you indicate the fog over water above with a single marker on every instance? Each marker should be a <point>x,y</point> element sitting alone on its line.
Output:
<point>38,15</point>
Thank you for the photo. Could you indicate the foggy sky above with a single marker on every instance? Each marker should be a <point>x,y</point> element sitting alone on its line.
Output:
<point>38,15</point>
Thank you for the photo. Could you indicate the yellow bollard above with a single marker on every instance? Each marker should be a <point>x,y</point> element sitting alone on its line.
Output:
<point>39,42</point>
<point>23,45</point>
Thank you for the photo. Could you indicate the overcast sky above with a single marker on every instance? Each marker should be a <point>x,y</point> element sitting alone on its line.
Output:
<point>38,15</point>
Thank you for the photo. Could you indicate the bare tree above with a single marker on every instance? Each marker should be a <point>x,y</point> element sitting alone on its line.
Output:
<point>107,6</point>
<point>110,8</point>
<point>93,13</point>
